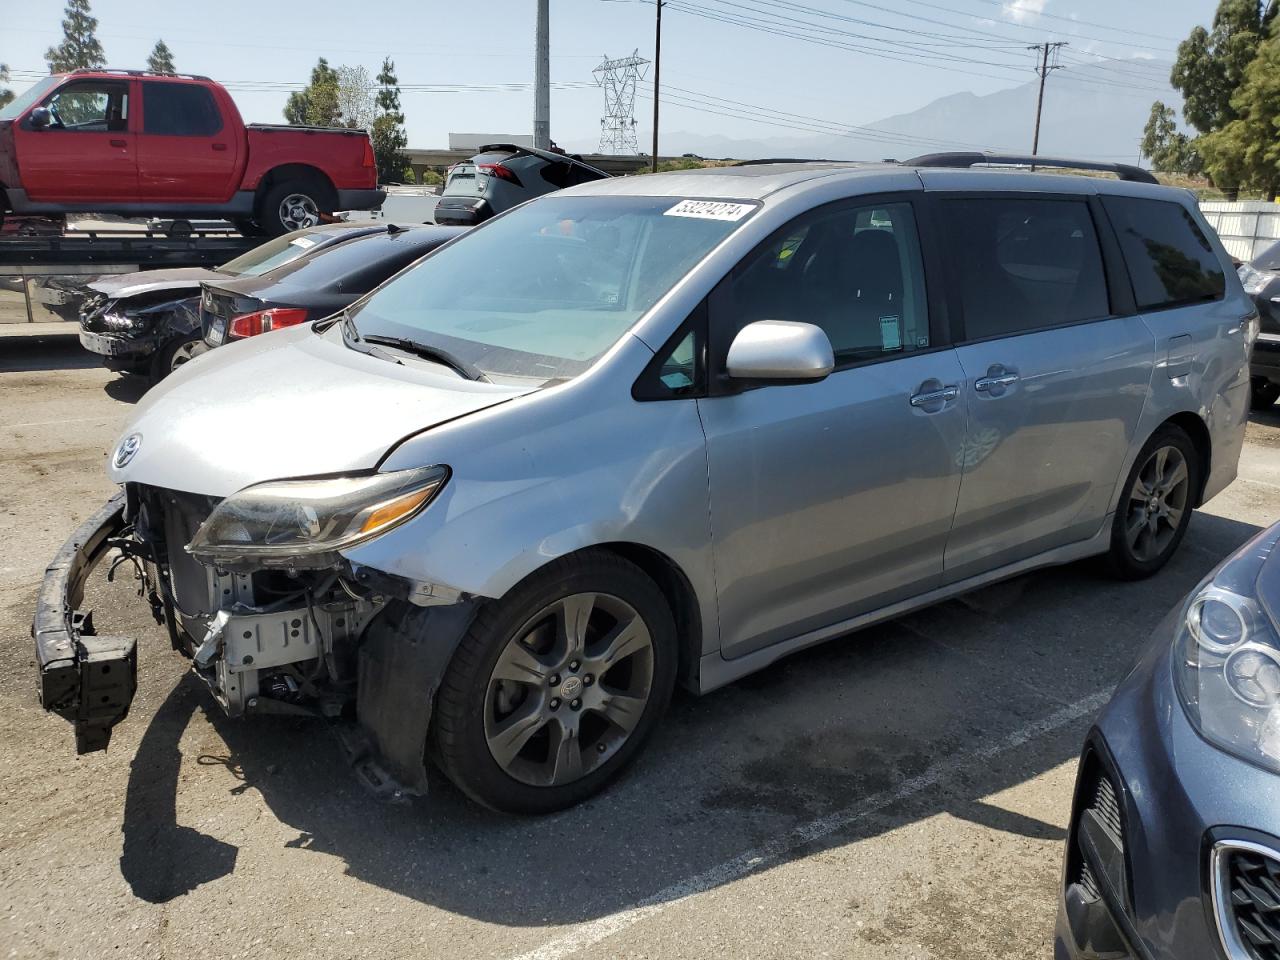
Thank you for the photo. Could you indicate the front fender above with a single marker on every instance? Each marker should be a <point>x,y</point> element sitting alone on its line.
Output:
<point>561,471</point>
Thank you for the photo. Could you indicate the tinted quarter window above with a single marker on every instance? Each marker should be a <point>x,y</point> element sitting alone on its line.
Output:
<point>1023,263</point>
<point>1169,259</point>
<point>855,272</point>
<point>179,110</point>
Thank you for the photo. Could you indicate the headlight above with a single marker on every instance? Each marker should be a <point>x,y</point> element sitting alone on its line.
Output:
<point>1227,659</point>
<point>1253,280</point>
<point>302,523</point>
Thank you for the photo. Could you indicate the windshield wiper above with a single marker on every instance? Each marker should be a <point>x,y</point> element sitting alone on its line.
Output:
<point>427,352</point>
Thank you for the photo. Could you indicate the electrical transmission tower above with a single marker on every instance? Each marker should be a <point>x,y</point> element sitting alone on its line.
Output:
<point>618,125</point>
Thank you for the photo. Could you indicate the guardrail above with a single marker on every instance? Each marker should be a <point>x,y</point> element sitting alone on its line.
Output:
<point>1245,227</point>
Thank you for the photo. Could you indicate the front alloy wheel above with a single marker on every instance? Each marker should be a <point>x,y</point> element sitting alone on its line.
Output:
<point>568,689</point>
<point>556,685</point>
<point>298,211</point>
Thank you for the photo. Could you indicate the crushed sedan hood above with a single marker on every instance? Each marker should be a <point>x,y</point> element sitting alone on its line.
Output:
<point>291,403</point>
<point>154,281</point>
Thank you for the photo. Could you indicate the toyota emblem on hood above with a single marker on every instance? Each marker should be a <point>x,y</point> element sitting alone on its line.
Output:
<point>128,447</point>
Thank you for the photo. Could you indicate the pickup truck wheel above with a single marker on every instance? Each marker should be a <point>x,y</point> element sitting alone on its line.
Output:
<point>556,685</point>
<point>292,205</point>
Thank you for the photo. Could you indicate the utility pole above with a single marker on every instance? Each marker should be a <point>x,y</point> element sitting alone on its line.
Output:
<point>542,79</point>
<point>1043,70</point>
<point>657,67</point>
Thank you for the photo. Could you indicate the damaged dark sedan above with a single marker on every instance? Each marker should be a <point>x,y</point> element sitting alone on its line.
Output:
<point>148,323</point>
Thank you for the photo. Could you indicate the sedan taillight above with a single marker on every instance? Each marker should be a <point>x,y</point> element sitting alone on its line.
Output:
<point>264,321</point>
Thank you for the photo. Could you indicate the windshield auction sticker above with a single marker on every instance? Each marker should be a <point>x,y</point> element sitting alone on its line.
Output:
<point>710,210</point>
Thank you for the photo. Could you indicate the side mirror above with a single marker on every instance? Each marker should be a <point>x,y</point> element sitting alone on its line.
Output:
<point>780,350</point>
<point>40,118</point>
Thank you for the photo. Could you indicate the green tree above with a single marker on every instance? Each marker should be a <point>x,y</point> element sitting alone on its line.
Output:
<point>1245,153</point>
<point>161,59</point>
<point>1211,63</point>
<point>388,134</point>
<point>5,93</point>
<point>79,48</point>
<point>1169,149</point>
<point>317,104</point>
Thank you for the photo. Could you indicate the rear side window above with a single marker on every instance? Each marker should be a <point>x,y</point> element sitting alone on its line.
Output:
<point>1169,259</point>
<point>179,110</point>
<point>1024,263</point>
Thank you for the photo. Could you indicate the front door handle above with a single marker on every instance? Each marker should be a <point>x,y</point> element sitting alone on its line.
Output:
<point>934,396</point>
<point>220,146</point>
<point>119,143</point>
<point>995,384</point>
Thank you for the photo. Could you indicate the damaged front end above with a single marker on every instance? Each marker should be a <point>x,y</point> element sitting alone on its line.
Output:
<point>126,332</point>
<point>253,589</point>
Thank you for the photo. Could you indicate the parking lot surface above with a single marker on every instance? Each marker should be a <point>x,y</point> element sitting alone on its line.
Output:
<point>899,793</point>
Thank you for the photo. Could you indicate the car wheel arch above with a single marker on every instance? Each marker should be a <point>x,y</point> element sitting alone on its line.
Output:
<point>297,172</point>
<point>1193,425</point>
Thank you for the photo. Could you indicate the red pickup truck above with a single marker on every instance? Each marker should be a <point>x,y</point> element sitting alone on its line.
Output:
<point>143,144</point>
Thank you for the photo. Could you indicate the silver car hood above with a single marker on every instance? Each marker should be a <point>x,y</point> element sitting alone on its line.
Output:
<point>287,404</point>
<point>152,281</point>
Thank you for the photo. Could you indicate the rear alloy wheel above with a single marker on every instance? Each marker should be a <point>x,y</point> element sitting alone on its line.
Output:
<point>1156,504</point>
<point>293,205</point>
<point>555,688</point>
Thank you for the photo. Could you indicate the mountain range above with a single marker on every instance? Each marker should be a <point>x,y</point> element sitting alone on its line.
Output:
<point>1093,112</point>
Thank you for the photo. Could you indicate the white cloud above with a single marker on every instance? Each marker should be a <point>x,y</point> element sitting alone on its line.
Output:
<point>1020,10</point>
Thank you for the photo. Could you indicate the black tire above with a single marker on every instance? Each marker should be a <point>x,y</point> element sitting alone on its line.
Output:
<point>172,354</point>
<point>315,196</point>
<point>461,746</point>
<point>1130,561</point>
<point>1264,394</point>
<point>248,228</point>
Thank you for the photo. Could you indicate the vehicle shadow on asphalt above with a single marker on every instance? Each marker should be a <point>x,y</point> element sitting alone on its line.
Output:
<point>821,734</point>
<point>31,354</point>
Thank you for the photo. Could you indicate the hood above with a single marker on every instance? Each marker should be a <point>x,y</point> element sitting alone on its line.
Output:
<point>154,281</point>
<point>291,403</point>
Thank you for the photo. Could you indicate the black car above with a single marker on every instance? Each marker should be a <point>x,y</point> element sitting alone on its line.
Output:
<point>1261,277</point>
<point>312,287</point>
<point>503,175</point>
<point>148,323</point>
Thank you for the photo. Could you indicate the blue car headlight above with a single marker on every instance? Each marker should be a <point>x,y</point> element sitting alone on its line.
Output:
<point>1227,659</point>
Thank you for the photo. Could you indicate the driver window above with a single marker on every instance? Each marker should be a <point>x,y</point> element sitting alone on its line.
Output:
<point>90,107</point>
<point>856,272</point>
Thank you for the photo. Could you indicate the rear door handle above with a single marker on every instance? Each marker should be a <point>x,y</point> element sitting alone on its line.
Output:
<point>934,396</point>
<point>220,146</point>
<point>995,384</point>
<point>119,143</point>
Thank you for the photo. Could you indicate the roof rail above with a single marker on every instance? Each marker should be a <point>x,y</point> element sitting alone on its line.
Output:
<point>766,160</point>
<point>1124,171</point>
<point>137,73</point>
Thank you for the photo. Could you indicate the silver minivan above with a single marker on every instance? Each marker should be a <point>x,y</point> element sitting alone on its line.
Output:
<point>658,430</point>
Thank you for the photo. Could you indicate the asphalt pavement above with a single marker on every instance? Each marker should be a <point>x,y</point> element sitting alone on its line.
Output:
<point>900,793</point>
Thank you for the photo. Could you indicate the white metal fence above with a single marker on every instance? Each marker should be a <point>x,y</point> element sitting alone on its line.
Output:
<point>1246,228</point>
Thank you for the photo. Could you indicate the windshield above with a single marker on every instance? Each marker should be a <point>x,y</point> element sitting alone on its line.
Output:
<point>1268,259</point>
<point>543,291</point>
<point>274,253</point>
<point>18,106</point>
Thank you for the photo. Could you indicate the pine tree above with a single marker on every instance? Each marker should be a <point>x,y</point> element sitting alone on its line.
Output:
<point>161,59</point>
<point>1169,149</point>
<point>317,105</point>
<point>388,134</point>
<point>79,48</point>
<point>1245,153</point>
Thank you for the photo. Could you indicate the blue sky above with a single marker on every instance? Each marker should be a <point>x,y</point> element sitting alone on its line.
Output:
<point>861,60</point>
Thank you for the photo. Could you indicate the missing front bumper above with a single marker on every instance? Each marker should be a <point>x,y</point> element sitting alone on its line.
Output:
<point>87,679</point>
